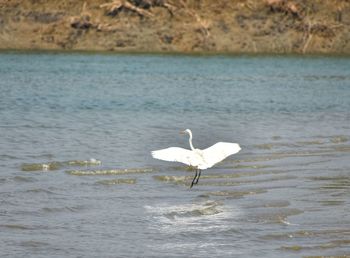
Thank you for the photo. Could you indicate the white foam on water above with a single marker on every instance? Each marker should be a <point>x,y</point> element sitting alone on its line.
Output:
<point>193,217</point>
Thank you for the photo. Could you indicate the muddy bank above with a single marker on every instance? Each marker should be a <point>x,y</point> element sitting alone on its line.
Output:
<point>251,26</point>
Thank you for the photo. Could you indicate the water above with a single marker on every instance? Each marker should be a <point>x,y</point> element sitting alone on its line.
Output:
<point>77,178</point>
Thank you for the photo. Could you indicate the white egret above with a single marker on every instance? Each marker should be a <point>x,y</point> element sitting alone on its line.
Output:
<point>199,159</point>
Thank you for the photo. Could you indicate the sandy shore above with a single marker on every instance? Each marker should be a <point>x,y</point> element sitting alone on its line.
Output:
<point>252,26</point>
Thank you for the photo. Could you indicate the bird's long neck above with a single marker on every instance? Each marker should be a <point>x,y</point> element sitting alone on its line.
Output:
<point>190,141</point>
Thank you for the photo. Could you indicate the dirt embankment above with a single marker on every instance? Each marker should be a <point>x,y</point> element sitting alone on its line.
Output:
<point>227,26</point>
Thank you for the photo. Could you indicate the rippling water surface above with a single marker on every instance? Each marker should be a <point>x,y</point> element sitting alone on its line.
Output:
<point>77,179</point>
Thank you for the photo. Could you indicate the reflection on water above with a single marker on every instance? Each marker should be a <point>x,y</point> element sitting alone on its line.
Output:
<point>286,194</point>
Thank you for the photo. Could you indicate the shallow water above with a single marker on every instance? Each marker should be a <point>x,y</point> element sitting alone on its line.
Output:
<point>77,179</point>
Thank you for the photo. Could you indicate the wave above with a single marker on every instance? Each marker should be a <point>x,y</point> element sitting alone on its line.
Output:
<point>342,148</point>
<point>40,190</point>
<point>103,172</point>
<point>33,244</point>
<point>62,209</point>
<point>251,166</point>
<point>340,182</point>
<point>328,141</point>
<point>275,215</point>
<point>24,179</point>
<point>8,157</point>
<point>181,180</point>
<point>326,245</point>
<point>307,234</point>
<point>270,204</point>
<point>16,226</point>
<point>209,180</point>
<point>176,212</point>
<point>339,139</point>
<point>236,194</point>
<point>55,165</point>
<point>129,181</point>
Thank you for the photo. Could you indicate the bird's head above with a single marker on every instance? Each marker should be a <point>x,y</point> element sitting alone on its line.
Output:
<point>187,131</point>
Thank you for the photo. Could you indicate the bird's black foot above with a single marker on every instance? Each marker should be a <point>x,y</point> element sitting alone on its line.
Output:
<point>199,175</point>
<point>194,179</point>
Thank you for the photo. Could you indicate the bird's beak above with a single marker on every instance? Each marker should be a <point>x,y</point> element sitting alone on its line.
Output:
<point>182,132</point>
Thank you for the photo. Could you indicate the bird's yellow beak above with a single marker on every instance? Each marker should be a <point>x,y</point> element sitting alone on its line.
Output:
<point>182,132</point>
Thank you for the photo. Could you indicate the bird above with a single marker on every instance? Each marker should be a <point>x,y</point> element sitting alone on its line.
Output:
<point>197,158</point>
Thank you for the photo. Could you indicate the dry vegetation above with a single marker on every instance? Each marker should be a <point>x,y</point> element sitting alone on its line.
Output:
<point>264,26</point>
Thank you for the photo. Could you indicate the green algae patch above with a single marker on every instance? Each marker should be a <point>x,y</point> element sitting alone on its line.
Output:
<point>295,248</point>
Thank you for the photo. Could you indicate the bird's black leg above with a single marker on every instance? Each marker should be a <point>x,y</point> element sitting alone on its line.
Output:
<point>194,179</point>
<point>199,175</point>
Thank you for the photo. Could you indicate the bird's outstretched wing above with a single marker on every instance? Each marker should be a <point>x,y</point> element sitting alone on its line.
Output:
<point>219,151</point>
<point>176,154</point>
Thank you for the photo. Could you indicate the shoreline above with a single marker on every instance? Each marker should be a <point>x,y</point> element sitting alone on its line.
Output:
<point>189,54</point>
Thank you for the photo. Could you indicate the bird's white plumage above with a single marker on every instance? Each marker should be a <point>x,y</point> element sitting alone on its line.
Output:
<point>175,154</point>
<point>219,152</point>
<point>201,159</point>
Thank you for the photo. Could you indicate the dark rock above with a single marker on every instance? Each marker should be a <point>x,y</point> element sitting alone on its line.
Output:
<point>82,22</point>
<point>167,39</point>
